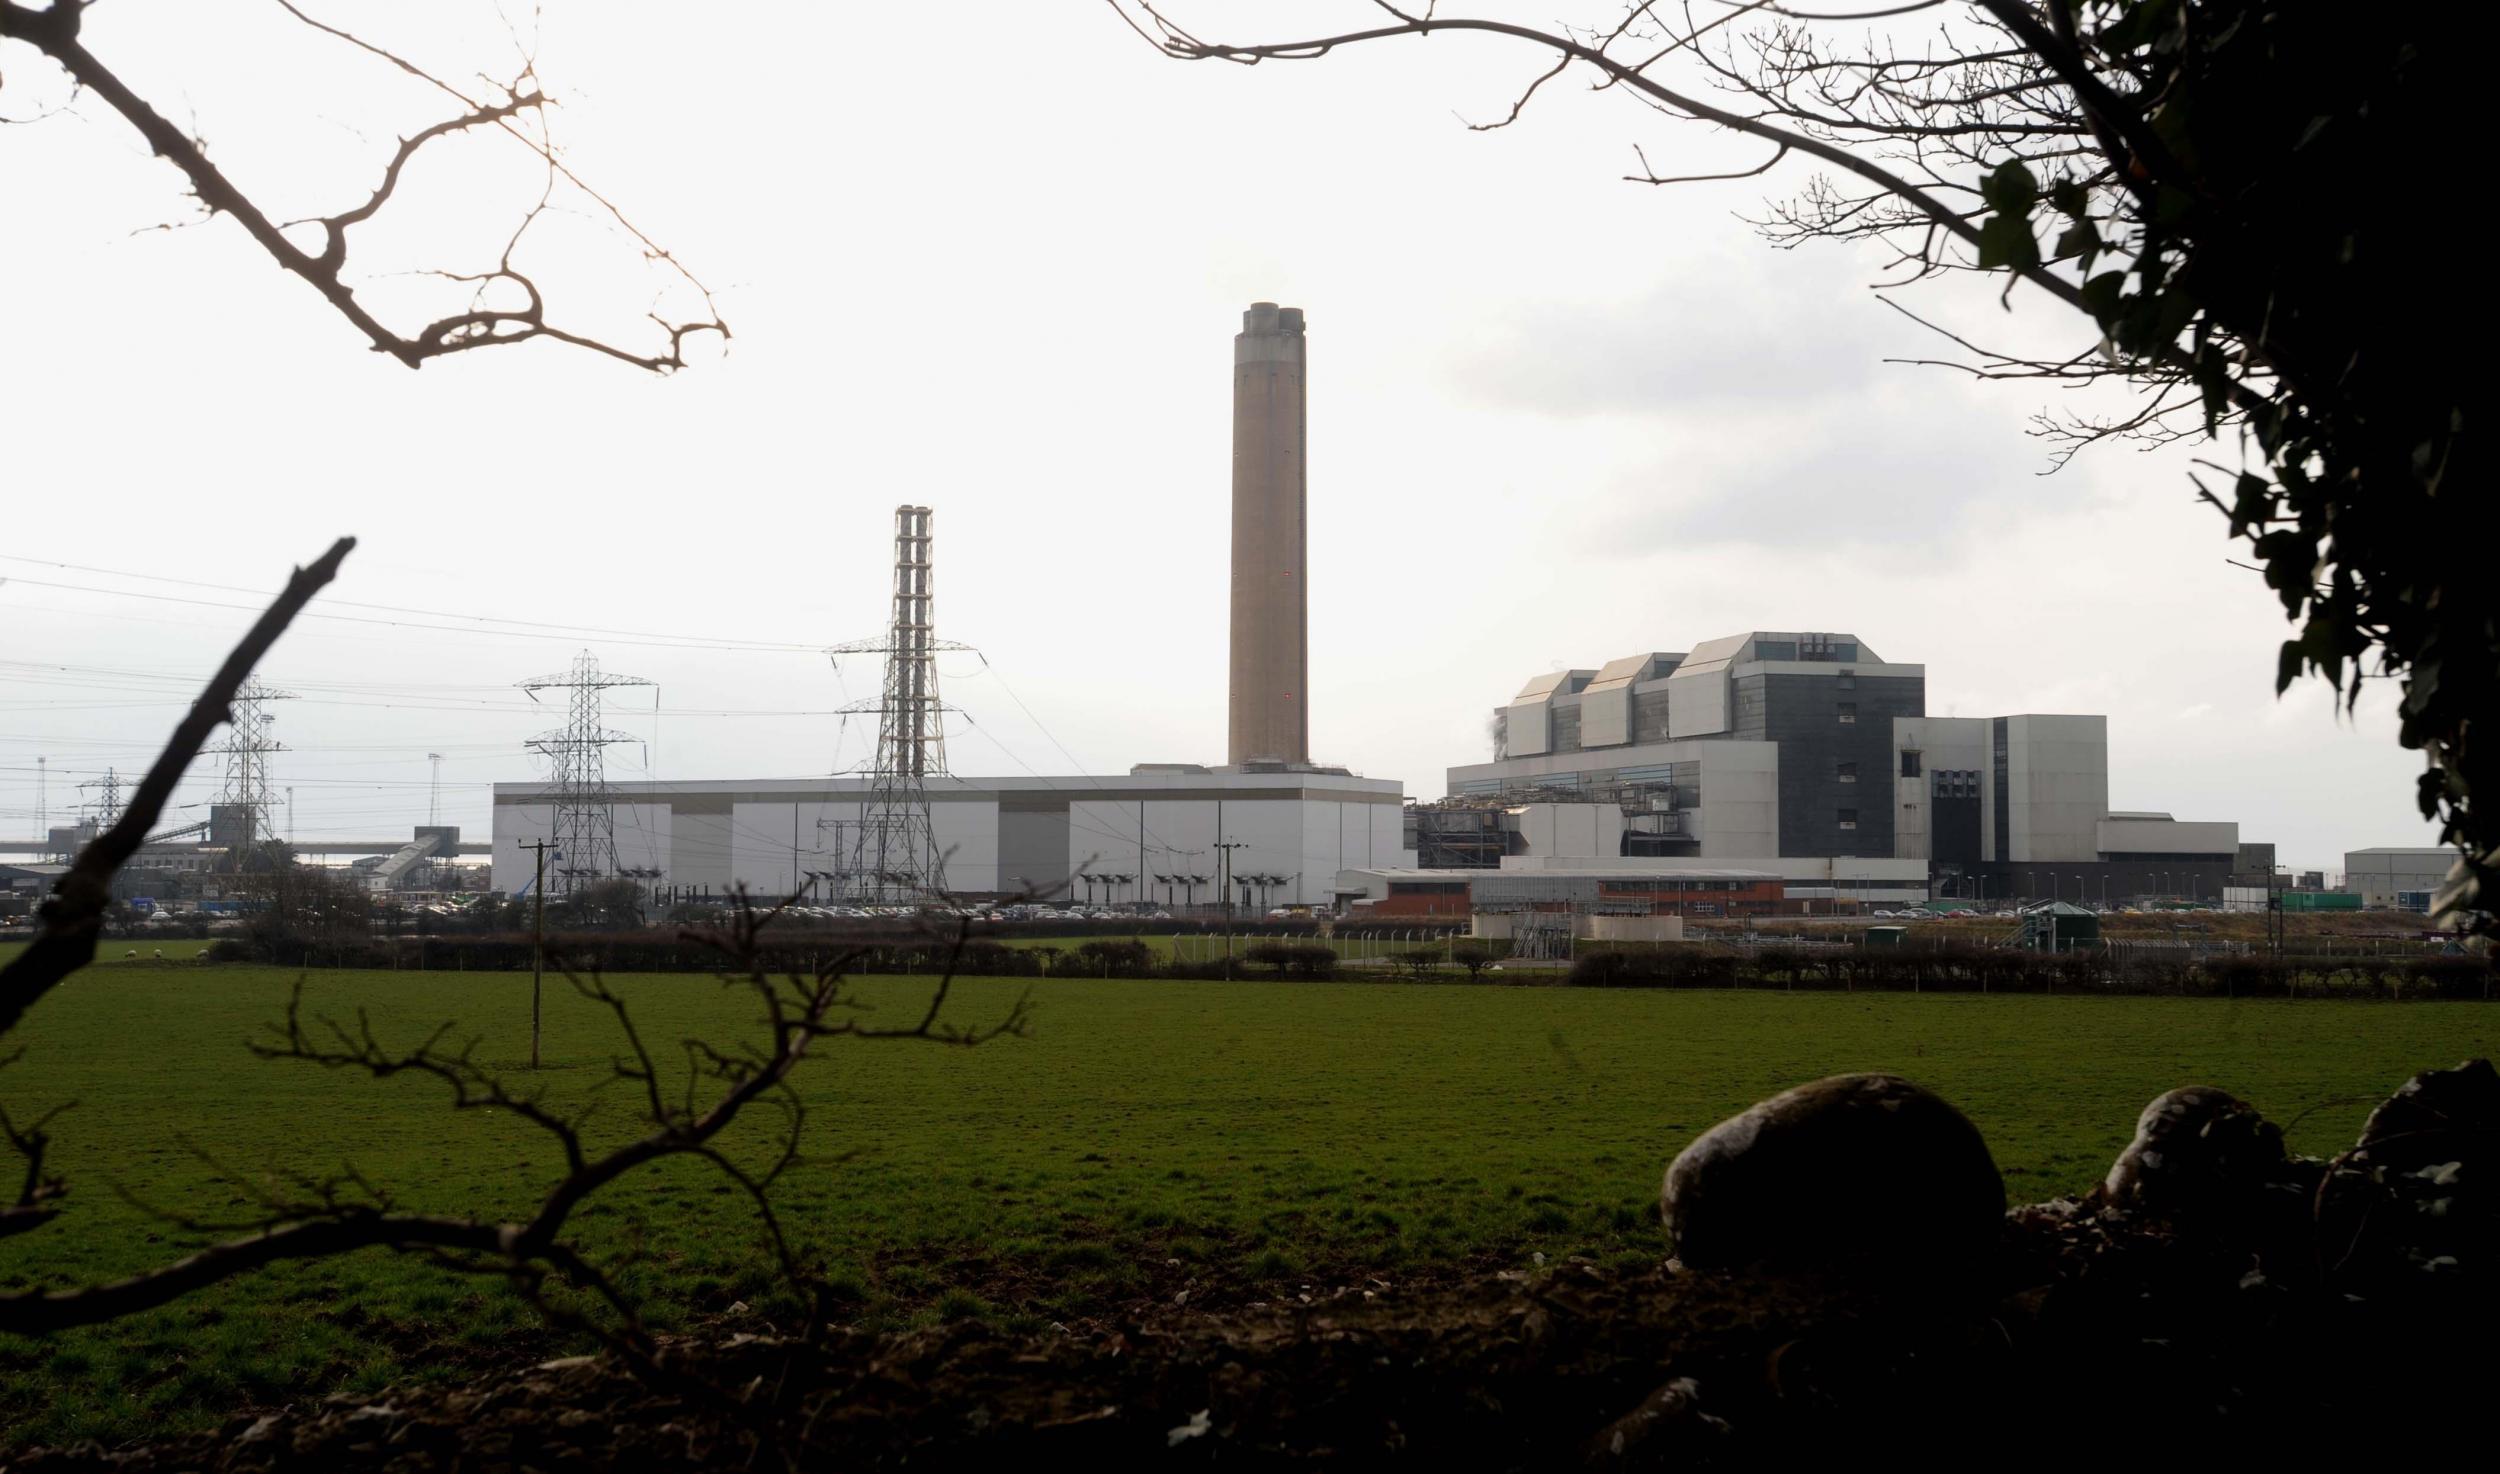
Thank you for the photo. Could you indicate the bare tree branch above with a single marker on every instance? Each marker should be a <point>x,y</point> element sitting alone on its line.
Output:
<point>1180,44</point>
<point>800,1010</point>
<point>73,916</point>
<point>55,31</point>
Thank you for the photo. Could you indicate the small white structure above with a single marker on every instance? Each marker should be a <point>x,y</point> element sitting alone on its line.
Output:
<point>1506,925</point>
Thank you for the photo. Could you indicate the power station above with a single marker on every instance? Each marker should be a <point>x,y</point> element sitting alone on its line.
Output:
<point>1267,827</point>
<point>1760,770</point>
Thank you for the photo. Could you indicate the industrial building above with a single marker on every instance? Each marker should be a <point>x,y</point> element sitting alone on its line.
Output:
<point>209,860</point>
<point>2261,899</point>
<point>2397,876</point>
<point>1388,894</point>
<point>1149,838</point>
<point>1781,751</point>
<point>23,887</point>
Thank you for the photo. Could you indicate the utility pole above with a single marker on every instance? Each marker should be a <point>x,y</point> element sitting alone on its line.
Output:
<point>538,936</point>
<point>2274,914</point>
<point>1224,871</point>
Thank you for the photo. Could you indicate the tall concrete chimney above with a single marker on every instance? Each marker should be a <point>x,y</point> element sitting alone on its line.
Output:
<point>1271,639</point>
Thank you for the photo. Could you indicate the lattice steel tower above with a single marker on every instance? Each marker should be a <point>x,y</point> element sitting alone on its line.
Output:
<point>894,858</point>
<point>245,794</point>
<point>106,806</point>
<point>585,811</point>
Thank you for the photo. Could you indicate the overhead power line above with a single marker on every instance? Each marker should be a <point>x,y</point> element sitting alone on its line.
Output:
<point>466,624</point>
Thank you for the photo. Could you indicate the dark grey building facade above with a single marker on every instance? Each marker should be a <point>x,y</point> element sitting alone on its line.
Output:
<point>1835,738</point>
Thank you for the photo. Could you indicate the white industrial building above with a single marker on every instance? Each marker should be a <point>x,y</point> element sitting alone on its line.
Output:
<point>2381,875</point>
<point>1001,836</point>
<point>1807,755</point>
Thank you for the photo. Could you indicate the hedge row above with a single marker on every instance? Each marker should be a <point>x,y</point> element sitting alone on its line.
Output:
<point>1115,957</point>
<point>2004,970</point>
<point>1697,965</point>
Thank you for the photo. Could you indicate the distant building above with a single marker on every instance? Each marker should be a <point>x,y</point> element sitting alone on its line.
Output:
<point>2380,875</point>
<point>2261,899</point>
<point>1146,838</point>
<point>1688,890</point>
<point>1770,749</point>
<point>23,887</point>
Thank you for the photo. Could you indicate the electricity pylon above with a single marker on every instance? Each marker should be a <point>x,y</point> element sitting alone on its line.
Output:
<point>894,857</point>
<point>585,811</point>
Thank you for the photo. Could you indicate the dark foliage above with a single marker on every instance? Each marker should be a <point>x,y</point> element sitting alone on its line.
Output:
<point>2005,970</point>
<point>2245,199</point>
<point>1294,959</point>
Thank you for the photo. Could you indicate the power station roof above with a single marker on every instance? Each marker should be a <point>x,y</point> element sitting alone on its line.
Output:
<point>1630,668</point>
<point>1727,650</point>
<point>1553,683</point>
<point>1713,655</point>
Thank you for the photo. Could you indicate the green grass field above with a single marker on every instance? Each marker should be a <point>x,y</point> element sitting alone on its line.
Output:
<point>1263,1135</point>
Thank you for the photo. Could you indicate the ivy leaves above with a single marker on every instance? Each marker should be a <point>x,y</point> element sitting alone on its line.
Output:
<point>2271,256</point>
<point>2005,239</point>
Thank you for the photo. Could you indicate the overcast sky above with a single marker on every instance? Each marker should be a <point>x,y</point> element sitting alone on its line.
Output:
<point>990,257</point>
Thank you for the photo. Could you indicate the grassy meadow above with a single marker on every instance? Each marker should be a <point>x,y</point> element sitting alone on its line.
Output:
<point>1234,1140</point>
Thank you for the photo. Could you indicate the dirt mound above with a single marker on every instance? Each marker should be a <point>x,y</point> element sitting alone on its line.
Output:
<point>2105,1330</point>
<point>2217,1298</point>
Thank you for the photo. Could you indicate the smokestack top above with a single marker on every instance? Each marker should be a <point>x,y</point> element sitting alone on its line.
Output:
<point>1266,319</point>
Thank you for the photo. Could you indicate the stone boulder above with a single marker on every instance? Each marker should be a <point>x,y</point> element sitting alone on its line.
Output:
<point>2413,1210</point>
<point>2198,1151</point>
<point>1861,1178</point>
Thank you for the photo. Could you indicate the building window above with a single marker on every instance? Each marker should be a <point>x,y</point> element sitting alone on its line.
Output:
<point>1849,712</point>
<point>1848,772</point>
<point>1848,680</point>
<point>1848,818</point>
<point>1909,763</point>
